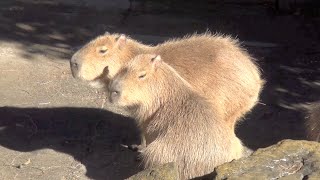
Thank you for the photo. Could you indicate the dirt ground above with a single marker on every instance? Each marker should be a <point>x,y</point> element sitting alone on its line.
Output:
<point>55,127</point>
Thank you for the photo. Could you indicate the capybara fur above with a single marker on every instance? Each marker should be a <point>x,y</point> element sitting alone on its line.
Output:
<point>179,125</point>
<point>313,122</point>
<point>216,66</point>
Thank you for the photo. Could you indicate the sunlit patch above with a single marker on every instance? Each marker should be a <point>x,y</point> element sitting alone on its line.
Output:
<point>297,106</point>
<point>281,90</point>
<point>25,27</point>
<point>285,91</point>
<point>313,84</point>
<point>57,36</point>
<point>3,128</point>
<point>288,106</point>
<point>293,69</point>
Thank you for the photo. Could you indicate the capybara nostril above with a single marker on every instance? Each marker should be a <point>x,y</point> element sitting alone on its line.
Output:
<point>75,65</point>
<point>114,95</point>
<point>114,90</point>
<point>75,60</point>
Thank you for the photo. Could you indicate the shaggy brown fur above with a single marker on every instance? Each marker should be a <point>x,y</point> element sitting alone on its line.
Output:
<point>179,124</point>
<point>313,122</point>
<point>214,65</point>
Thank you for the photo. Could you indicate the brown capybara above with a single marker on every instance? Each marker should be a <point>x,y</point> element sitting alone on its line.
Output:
<point>313,122</point>
<point>179,125</point>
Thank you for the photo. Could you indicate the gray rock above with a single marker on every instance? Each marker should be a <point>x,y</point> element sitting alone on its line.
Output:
<point>164,172</point>
<point>288,159</point>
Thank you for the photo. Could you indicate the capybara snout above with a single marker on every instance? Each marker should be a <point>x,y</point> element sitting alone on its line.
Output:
<point>114,91</point>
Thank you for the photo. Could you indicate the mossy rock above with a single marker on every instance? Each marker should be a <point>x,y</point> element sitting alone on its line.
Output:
<point>288,159</point>
<point>164,172</point>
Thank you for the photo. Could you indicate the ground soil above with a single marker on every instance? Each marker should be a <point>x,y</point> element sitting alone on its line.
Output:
<point>55,127</point>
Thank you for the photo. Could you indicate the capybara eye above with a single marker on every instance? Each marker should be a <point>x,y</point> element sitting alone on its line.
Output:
<point>103,50</point>
<point>142,76</point>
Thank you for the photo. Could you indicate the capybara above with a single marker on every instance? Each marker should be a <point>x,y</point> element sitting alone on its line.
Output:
<point>216,66</point>
<point>179,125</point>
<point>313,122</point>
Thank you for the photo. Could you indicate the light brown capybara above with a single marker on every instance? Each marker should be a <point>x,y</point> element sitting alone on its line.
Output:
<point>179,125</point>
<point>216,66</point>
<point>313,122</point>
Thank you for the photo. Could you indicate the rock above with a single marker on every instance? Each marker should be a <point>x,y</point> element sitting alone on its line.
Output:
<point>164,172</point>
<point>288,159</point>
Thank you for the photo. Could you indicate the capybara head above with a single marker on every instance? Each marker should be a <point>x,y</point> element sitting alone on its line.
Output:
<point>102,56</point>
<point>138,83</point>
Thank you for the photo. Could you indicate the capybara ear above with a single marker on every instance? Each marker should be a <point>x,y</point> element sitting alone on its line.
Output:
<point>121,41</point>
<point>105,71</point>
<point>155,61</point>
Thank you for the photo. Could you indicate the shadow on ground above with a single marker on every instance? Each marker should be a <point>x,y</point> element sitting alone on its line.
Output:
<point>91,136</point>
<point>54,29</point>
<point>48,28</point>
<point>293,82</point>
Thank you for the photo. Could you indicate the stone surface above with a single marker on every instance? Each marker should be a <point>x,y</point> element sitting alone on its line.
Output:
<point>165,172</point>
<point>288,159</point>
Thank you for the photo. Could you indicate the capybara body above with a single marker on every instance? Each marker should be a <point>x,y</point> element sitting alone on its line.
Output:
<point>313,122</point>
<point>214,65</point>
<point>179,125</point>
